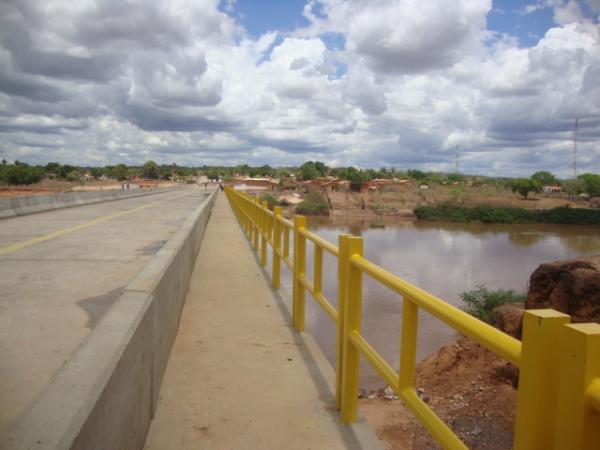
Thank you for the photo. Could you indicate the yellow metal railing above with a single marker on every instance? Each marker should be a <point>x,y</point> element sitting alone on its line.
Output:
<point>558,399</point>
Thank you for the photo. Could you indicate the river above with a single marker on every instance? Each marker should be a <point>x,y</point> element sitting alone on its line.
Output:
<point>444,259</point>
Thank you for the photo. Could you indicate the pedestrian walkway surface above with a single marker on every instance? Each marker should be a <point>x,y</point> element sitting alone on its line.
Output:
<point>239,377</point>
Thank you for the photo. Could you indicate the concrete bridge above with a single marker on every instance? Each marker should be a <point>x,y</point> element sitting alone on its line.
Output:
<point>140,323</point>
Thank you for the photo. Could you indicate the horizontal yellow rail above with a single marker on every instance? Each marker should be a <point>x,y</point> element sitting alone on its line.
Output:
<point>554,409</point>
<point>384,370</point>
<point>319,241</point>
<point>495,340</point>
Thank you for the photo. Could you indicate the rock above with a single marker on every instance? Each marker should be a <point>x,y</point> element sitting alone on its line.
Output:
<point>569,286</point>
<point>509,318</point>
<point>388,394</point>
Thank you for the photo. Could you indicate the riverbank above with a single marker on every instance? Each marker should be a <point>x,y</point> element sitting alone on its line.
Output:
<point>469,387</point>
<point>402,201</point>
<point>508,215</point>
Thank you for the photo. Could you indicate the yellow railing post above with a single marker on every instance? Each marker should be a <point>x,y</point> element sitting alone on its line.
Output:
<point>538,378</point>
<point>263,233</point>
<point>299,269</point>
<point>255,223</point>
<point>286,242</point>
<point>351,323</point>
<point>343,258</point>
<point>408,344</point>
<point>276,247</point>
<point>577,423</point>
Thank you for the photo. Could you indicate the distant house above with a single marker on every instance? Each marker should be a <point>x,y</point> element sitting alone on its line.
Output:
<point>290,184</point>
<point>552,189</point>
<point>255,184</point>
<point>379,183</point>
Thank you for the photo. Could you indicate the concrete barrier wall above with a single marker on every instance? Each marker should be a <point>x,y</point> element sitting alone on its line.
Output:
<point>20,206</point>
<point>105,395</point>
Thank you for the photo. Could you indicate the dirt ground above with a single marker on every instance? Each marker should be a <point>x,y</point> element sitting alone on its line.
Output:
<point>401,201</point>
<point>470,388</point>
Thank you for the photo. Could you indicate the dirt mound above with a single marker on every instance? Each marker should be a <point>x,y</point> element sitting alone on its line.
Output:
<point>569,286</point>
<point>469,387</point>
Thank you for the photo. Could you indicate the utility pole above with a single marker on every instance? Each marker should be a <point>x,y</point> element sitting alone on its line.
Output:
<point>575,147</point>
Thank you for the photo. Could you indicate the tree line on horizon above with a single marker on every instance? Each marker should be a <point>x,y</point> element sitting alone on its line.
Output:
<point>20,173</point>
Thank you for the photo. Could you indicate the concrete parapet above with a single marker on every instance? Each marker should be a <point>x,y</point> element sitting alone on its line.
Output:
<point>20,206</point>
<point>105,395</point>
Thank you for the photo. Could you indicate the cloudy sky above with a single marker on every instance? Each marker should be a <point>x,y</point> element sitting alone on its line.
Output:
<point>369,83</point>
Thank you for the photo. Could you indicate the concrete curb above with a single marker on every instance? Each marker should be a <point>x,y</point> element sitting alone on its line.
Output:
<point>105,395</point>
<point>21,206</point>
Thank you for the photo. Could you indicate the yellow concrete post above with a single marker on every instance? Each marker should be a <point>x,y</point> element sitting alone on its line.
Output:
<point>276,247</point>
<point>577,423</point>
<point>263,233</point>
<point>318,270</point>
<point>351,323</point>
<point>538,378</point>
<point>343,258</point>
<point>255,223</point>
<point>408,344</point>
<point>286,242</point>
<point>299,269</point>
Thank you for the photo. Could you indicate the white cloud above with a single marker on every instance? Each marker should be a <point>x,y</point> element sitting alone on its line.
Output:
<point>110,82</point>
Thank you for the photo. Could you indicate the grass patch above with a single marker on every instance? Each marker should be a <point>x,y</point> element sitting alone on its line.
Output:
<point>489,214</point>
<point>313,204</point>
<point>480,302</point>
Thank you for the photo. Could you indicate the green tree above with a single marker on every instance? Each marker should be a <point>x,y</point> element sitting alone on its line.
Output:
<point>545,178</point>
<point>524,186</point>
<point>53,168</point>
<point>573,187</point>
<point>150,169</point>
<point>416,175</point>
<point>73,175</point>
<point>308,171</point>
<point>97,172</point>
<point>20,174</point>
<point>120,172</point>
<point>591,184</point>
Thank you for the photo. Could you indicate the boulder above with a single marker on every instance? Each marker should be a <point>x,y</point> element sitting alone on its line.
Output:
<point>570,286</point>
<point>509,318</point>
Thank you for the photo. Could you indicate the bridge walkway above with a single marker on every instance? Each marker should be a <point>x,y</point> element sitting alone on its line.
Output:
<point>239,377</point>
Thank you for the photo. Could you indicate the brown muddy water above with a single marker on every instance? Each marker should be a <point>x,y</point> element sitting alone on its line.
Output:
<point>444,259</point>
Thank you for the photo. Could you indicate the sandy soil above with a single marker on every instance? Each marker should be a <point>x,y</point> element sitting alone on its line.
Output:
<point>401,201</point>
<point>467,386</point>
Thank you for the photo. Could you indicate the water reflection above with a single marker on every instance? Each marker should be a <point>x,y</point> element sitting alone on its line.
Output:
<point>445,259</point>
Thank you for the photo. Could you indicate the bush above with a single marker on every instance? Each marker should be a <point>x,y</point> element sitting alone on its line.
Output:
<point>20,174</point>
<point>480,302</point>
<point>489,214</point>
<point>313,204</point>
<point>525,185</point>
<point>272,201</point>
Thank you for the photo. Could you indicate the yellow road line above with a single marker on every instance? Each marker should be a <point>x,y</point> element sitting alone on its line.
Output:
<point>64,231</point>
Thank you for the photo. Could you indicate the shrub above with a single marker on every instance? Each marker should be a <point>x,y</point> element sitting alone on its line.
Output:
<point>489,214</point>
<point>313,204</point>
<point>525,185</point>
<point>20,174</point>
<point>480,302</point>
<point>272,201</point>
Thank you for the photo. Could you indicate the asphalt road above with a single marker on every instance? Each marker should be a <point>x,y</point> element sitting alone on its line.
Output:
<point>59,273</point>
